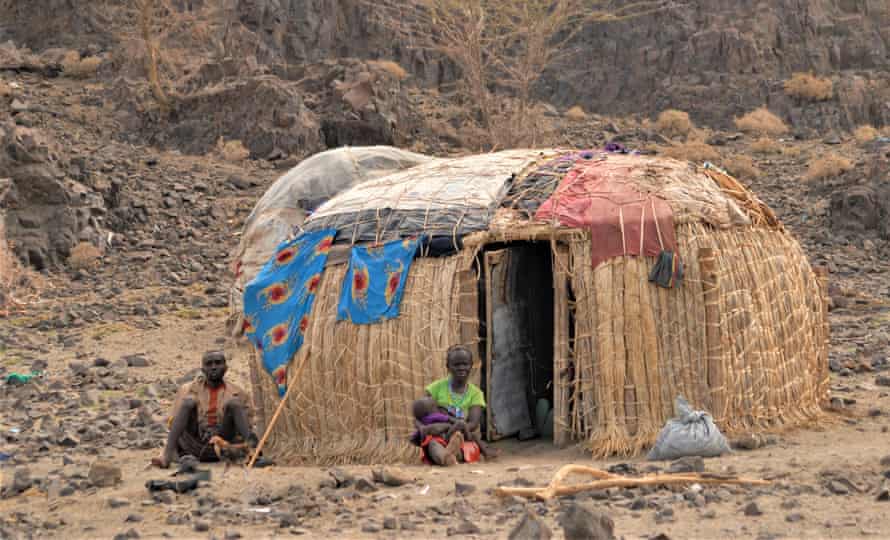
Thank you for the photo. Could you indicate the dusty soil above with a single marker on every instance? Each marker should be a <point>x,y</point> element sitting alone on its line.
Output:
<point>825,480</point>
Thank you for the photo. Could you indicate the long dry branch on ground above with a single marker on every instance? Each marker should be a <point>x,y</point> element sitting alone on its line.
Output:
<point>605,480</point>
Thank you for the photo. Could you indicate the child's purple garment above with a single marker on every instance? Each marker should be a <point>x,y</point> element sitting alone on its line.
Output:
<point>433,418</point>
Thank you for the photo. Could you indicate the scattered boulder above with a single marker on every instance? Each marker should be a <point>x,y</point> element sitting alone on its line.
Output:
<point>530,528</point>
<point>21,480</point>
<point>364,485</point>
<point>391,477</point>
<point>580,523</point>
<point>687,464</point>
<point>104,474</point>
<point>135,360</point>
<point>752,509</point>
<point>465,527</point>
<point>462,490</point>
<point>342,479</point>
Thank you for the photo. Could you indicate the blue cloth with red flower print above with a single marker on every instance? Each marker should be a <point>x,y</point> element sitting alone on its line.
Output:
<point>374,283</point>
<point>278,301</point>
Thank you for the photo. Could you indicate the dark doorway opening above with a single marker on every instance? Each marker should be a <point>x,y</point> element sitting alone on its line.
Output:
<point>517,314</point>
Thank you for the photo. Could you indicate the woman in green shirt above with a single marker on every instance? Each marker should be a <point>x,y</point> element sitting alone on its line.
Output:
<point>444,443</point>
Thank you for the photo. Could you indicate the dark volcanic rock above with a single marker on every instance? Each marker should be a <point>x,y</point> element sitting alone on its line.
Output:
<point>687,464</point>
<point>530,528</point>
<point>580,523</point>
<point>47,213</point>
<point>752,509</point>
<point>104,474</point>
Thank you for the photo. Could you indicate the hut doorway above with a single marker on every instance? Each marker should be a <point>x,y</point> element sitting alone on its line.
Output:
<point>517,372</point>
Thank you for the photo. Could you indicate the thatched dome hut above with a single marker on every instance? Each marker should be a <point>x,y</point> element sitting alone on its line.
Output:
<point>545,273</point>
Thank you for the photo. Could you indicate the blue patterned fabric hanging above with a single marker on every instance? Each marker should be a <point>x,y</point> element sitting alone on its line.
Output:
<point>373,286</point>
<point>278,301</point>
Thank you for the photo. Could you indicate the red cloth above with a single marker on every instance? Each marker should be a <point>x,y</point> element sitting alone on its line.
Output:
<point>599,195</point>
<point>469,449</point>
<point>213,406</point>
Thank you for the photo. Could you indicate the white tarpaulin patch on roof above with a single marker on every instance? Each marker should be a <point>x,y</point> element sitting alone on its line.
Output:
<point>473,181</point>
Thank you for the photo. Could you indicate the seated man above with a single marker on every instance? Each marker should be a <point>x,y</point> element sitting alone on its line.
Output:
<point>449,416</point>
<point>207,413</point>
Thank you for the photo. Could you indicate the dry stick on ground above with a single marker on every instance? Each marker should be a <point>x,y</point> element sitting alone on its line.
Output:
<point>607,480</point>
<point>280,408</point>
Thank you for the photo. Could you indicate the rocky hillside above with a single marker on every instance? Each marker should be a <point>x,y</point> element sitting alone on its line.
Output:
<point>714,58</point>
<point>276,80</point>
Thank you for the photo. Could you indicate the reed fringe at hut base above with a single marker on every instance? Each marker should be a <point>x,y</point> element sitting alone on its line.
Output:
<point>745,336</point>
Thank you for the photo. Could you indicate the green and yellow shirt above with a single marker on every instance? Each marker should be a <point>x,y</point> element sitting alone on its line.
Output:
<point>441,392</point>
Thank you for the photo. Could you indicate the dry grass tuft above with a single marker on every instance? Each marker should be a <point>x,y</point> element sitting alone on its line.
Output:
<point>576,113</point>
<point>232,150</point>
<point>765,145</point>
<point>18,286</point>
<point>762,122</point>
<point>792,151</point>
<point>80,68</point>
<point>829,166</point>
<point>397,71</point>
<point>865,134</point>
<point>743,167</point>
<point>9,269</point>
<point>809,87</point>
<point>695,151</point>
<point>674,123</point>
<point>84,256</point>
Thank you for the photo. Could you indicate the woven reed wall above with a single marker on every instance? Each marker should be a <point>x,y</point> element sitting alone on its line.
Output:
<point>638,346</point>
<point>744,338</point>
<point>352,402</point>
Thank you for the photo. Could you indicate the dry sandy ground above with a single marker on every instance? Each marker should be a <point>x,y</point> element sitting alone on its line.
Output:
<point>801,465</point>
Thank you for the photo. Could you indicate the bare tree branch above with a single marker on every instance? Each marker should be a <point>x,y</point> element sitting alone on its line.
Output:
<point>499,45</point>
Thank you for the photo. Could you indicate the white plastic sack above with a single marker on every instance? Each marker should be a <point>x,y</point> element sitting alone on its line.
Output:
<point>691,433</point>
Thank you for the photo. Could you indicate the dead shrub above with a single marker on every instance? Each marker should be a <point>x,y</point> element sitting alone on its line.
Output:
<point>765,145</point>
<point>232,150</point>
<point>8,269</point>
<point>576,114</point>
<point>696,151</point>
<point>865,134</point>
<point>829,166</point>
<point>397,71</point>
<point>809,87</point>
<point>18,285</point>
<point>762,122</point>
<point>674,123</point>
<point>79,68</point>
<point>83,256</point>
<point>743,167</point>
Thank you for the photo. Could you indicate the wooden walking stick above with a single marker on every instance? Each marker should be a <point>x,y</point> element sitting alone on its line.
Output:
<point>280,408</point>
